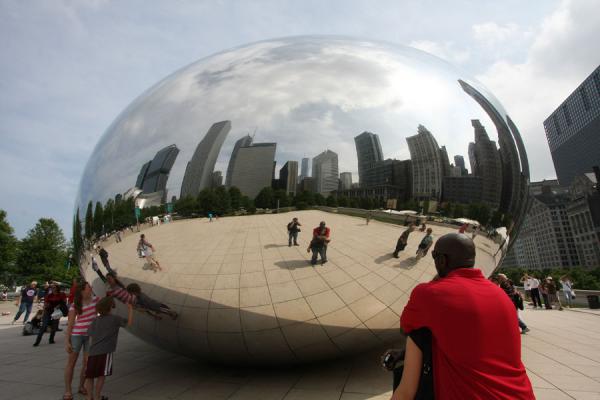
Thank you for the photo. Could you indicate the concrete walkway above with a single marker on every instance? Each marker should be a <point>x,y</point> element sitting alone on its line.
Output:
<point>562,355</point>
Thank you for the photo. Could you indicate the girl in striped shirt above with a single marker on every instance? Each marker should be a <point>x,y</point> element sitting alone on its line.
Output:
<point>81,314</point>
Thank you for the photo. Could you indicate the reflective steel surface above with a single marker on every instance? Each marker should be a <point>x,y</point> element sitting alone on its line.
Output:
<point>376,120</point>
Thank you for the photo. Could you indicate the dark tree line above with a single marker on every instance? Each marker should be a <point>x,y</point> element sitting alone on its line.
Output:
<point>43,254</point>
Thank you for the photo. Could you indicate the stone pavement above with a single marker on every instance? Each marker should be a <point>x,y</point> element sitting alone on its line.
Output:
<point>561,353</point>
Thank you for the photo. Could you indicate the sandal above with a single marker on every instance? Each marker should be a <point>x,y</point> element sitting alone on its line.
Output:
<point>67,397</point>
<point>82,391</point>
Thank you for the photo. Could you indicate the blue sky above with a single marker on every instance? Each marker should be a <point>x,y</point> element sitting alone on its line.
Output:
<point>69,67</point>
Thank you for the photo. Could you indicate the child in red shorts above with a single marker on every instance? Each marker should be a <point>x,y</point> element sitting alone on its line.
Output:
<point>103,334</point>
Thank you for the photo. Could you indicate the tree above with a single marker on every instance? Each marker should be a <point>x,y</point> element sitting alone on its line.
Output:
<point>265,198</point>
<point>496,220</point>
<point>459,211</point>
<point>332,201</point>
<point>207,201</point>
<point>77,238</point>
<point>8,250</point>
<point>98,220</point>
<point>235,197</point>
<point>319,199</point>
<point>89,222</point>
<point>342,201</point>
<point>109,210</point>
<point>223,201</point>
<point>43,253</point>
<point>306,197</point>
<point>282,196</point>
<point>186,206</point>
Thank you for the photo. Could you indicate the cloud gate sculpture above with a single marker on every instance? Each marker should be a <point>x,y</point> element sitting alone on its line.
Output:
<point>343,123</point>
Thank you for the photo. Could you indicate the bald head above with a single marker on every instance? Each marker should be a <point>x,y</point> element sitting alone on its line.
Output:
<point>452,251</point>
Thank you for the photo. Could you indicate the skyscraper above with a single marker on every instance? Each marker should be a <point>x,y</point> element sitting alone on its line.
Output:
<point>217,179</point>
<point>325,172</point>
<point>304,169</point>
<point>243,142</point>
<point>154,174</point>
<point>427,168</point>
<point>486,164</point>
<point>573,131</point>
<point>288,177</point>
<point>346,180</point>
<point>368,152</point>
<point>253,168</point>
<point>459,161</point>
<point>198,172</point>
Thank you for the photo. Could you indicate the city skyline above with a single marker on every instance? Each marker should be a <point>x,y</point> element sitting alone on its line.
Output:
<point>526,54</point>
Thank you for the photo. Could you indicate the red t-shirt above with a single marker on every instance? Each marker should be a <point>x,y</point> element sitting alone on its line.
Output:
<point>317,231</point>
<point>476,340</point>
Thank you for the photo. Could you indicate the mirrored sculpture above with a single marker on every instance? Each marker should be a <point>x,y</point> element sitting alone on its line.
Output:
<point>358,128</point>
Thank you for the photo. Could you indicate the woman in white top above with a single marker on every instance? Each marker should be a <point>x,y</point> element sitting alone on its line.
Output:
<point>567,288</point>
<point>81,314</point>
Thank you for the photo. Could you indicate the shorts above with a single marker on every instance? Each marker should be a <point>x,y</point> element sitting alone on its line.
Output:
<point>79,341</point>
<point>99,365</point>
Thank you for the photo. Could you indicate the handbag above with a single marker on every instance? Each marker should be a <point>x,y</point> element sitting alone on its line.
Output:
<point>57,313</point>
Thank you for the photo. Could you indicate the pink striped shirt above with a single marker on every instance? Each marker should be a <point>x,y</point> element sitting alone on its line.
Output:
<point>83,320</point>
<point>121,294</point>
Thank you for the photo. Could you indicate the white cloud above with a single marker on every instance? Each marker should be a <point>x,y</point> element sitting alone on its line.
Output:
<point>445,50</point>
<point>491,33</point>
<point>564,51</point>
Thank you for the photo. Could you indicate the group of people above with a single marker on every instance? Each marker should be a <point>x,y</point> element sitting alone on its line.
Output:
<point>547,288</point>
<point>424,245</point>
<point>318,244</point>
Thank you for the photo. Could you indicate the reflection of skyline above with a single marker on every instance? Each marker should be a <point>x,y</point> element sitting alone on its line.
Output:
<point>153,176</point>
<point>199,170</point>
<point>278,87</point>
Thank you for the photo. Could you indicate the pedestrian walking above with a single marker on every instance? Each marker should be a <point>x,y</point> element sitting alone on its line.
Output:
<point>146,250</point>
<point>544,292</point>
<point>425,244</point>
<point>103,333</point>
<point>369,216</point>
<point>293,228</point>
<point>54,301</point>
<point>25,301</point>
<point>318,244</point>
<point>104,258</point>
<point>535,292</point>
<point>526,281</point>
<point>567,288</point>
<point>403,240</point>
<point>81,314</point>
<point>552,293</point>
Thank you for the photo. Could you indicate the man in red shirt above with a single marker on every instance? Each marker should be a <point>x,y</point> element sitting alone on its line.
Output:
<point>319,243</point>
<point>476,344</point>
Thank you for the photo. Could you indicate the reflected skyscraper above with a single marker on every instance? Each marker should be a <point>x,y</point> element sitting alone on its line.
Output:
<point>198,172</point>
<point>325,172</point>
<point>253,168</point>
<point>217,179</point>
<point>243,142</point>
<point>368,152</point>
<point>427,164</point>
<point>288,177</point>
<point>304,168</point>
<point>514,183</point>
<point>486,164</point>
<point>459,161</point>
<point>154,174</point>
<point>346,180</point>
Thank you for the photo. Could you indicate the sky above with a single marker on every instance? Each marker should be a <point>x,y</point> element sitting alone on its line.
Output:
<point>69,68</point>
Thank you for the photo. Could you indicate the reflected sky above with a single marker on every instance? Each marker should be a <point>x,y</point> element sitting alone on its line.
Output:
<point>307,94</point>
